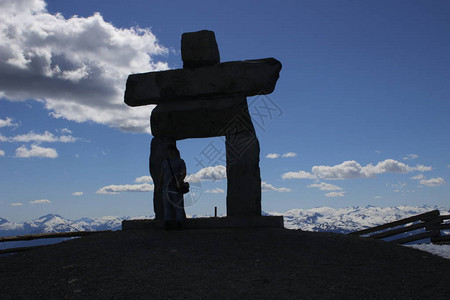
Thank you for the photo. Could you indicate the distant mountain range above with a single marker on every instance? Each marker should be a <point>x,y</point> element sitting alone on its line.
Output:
<point>56,223</point>
<point>345,220</point>
<point>340,220</point>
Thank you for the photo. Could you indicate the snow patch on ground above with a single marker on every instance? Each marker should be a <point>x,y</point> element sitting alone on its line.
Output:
<point>440,250</point>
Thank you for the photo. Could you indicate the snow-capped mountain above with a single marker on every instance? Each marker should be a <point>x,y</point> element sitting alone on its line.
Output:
<point>344,220</point>
<point>340,220</point>
<point>56,223</point>
<point>3,221</point>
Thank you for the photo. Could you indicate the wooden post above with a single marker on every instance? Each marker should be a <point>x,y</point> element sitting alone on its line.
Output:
<point>215,211</point>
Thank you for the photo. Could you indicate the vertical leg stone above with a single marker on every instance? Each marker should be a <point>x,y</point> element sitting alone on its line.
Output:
<point>243,174</point>
<point>243,177</point>
<point>158,153</point>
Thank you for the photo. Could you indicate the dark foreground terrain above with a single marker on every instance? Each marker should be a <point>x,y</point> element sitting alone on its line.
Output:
<point>225,263</point>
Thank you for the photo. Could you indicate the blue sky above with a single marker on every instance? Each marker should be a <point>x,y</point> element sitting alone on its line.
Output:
<point>360,111</point>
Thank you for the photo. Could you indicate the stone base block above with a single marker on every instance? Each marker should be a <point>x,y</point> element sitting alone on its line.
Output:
<point>209,223</point>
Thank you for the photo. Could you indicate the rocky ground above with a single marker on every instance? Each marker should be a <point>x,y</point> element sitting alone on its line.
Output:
<point>225,263</point>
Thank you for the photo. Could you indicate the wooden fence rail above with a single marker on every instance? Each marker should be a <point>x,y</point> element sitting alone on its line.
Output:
<point>29,237</point>
<point>432,222</point>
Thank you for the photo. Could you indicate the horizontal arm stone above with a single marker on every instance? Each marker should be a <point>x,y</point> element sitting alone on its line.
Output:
<point>235,78</point>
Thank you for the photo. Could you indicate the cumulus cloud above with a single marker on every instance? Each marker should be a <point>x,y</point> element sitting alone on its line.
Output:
<point>335,194</point>
<point>289,154</point>
<point>116,189</point>
<point>46,137</point>
<point>36,151</point>
<point>418,176</point>
<point>437,181</point>
<point>422,168</point>
<point>352,169</point>
<point>218,172</point>
<point>8,122</point>
<point>144,179</point>
<point>41,201</point>
<point>2,153</point>
<point>325,186</point>
<point>268,187</point>
<point>298,175</point>
<point>276,155</point>
<point>65,130</point>
<point>433,181</point>
<point>16,204</point>
<point>411,156</point>
<point>214,191</point>
<point>77,194</point>
<point>76,66</point>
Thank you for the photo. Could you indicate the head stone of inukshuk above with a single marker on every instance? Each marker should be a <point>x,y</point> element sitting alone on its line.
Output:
<point>208,99</point>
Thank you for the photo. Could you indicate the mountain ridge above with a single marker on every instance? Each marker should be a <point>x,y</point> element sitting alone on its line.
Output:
<point>319,219</point>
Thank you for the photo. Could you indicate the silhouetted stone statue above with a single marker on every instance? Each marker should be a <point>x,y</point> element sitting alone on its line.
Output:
<point>207,99</point>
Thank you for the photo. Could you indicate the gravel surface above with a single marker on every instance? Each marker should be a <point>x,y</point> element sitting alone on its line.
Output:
<point>224,263</point>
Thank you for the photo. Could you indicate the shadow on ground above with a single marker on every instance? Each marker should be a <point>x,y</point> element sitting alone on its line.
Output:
<point>224,263</point>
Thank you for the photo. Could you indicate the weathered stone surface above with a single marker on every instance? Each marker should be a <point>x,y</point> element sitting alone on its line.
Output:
<point>197,118</point>
<point>158,153</point>
<point>199,49</point>
<point>236,78</point>
<point>243,174</point>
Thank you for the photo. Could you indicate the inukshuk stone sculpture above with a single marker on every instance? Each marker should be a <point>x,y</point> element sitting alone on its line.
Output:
<point>207,99</point>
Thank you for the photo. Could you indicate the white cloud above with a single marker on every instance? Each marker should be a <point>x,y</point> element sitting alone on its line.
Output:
<point>418,176</point>
<point>46,137</point>
<point>144,179</point>
<point>298,175</point>
<point>215,191</point>
<point>65,130</point>
<point>268,187</point>
<point>422,168</point>
<point>116,189</point>
<point>218,172</point>
<point>411,156</point>
<point>276,155</point>
<point>16,204</point>
<point>2,153</point>
<point>36,151</point>
<point>41,201</point>
<point>8,122</point>
<point>352,169</point>
<point>289,154</point>
<point>77,66</point>
<point>433,181</point>
<point>398,185</point>
<point>335,194</point>
<point>77,194</point>
<point>325,186</point>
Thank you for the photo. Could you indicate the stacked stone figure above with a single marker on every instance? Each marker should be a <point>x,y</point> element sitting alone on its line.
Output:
<point>207,99</point>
